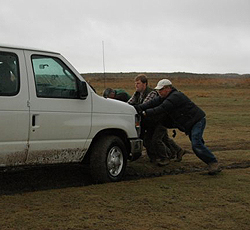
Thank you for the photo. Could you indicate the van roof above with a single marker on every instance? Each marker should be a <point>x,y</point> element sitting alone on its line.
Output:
<point>25,48</point>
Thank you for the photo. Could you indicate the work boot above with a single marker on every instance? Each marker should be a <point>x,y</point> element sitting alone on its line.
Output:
<point>213,168</point>
<point>172,155</point>
<point>152,159</point>
<point>180,154</point>
<point>163,162</point>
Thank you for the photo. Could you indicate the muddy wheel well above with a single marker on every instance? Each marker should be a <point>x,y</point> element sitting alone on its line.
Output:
<point>115,132</point>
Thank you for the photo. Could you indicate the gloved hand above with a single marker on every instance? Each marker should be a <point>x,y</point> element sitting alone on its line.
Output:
<point>138,109</point>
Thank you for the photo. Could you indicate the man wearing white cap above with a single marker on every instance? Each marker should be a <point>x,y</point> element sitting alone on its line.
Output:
<point>187,117</point>
<point>154,135</point>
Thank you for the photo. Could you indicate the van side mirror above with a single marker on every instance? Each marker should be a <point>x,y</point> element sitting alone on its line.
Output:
<point>83,90</point>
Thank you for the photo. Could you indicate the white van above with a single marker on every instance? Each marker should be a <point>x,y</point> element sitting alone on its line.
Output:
<point>50,115</point>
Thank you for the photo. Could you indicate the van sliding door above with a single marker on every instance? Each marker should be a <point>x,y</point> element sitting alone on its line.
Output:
<point>14,110</point>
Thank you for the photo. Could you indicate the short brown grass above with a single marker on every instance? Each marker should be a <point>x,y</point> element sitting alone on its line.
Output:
<point>193,200</point>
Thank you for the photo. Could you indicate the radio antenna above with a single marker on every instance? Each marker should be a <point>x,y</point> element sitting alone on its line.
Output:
<point>103,60</point>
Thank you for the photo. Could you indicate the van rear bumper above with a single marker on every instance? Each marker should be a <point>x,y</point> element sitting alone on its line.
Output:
<point>136,146</point>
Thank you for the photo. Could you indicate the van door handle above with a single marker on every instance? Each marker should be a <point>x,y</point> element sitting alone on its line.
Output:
<point>33,120</point>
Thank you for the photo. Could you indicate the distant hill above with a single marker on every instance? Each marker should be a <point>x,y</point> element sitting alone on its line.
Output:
<point>165,75</point>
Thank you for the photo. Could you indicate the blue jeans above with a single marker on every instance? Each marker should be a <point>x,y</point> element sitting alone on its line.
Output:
<point>197,141</point>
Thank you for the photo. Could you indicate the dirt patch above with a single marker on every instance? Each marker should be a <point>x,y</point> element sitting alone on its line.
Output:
<point>40,178</point>
<point>25,179</point>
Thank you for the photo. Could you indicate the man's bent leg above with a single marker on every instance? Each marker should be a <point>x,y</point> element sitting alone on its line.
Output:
<point>147,142</point>
<point>162,150</point>
<point>197,141</point>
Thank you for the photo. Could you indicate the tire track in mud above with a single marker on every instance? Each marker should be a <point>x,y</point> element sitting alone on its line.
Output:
<point>22,180</point>
<point>132,173</point>
<point>182,170</point>
<point>65,176</point>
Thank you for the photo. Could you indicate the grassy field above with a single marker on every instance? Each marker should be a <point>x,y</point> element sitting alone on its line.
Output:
<point>179,196</point>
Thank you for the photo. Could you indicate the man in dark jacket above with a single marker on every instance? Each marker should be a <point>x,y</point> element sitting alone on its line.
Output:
<point>187,117</point>
<point>118,94</point>
<point>155,136</point>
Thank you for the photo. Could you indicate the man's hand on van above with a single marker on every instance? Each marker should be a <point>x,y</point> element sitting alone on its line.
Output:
<point>138,109</point>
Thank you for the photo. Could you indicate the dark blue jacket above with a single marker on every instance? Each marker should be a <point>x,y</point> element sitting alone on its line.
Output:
<point>184,113</point>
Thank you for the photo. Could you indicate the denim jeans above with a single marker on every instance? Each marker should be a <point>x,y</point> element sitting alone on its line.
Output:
<point>197,141</point>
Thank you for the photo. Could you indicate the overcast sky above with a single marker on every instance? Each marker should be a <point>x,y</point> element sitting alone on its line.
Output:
<point>199,36</point>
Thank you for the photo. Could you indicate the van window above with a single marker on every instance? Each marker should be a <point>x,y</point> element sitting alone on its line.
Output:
<point>9,74</point>
<point>53,78</point>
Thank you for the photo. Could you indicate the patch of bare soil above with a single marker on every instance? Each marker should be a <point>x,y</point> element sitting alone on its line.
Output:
<point>143,168</point>
<point>231,146</point>
<point>62,176</point>
<point>43,178</point>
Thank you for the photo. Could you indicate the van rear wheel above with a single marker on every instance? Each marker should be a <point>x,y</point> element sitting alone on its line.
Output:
<point>108,160</point>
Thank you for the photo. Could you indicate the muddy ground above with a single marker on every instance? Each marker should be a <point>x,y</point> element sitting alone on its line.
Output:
<point>29,179</point>
<point>178,196</point>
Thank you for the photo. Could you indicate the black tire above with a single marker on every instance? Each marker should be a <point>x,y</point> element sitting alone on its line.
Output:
<point>108,159</point>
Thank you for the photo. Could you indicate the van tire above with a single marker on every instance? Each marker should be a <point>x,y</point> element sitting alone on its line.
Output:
<point>108,159</point>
